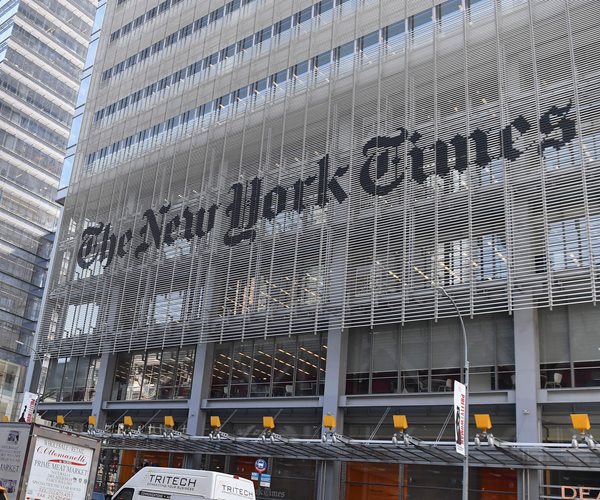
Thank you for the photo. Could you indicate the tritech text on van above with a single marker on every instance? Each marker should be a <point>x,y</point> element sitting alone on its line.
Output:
<point>185,484</point>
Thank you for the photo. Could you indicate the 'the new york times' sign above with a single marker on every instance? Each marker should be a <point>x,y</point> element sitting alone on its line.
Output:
<point>252,201</point>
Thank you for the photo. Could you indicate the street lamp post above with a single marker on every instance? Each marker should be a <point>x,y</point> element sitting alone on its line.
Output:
<point>465,489</point>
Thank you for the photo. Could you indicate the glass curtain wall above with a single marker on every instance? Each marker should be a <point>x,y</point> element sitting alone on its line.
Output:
<point>427,357</point>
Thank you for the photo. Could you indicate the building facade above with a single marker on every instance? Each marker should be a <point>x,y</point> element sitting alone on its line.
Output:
<point>266,198</point>
<point>43,47</point>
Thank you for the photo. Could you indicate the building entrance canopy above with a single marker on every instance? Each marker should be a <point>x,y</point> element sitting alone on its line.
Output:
<point>506,455</point>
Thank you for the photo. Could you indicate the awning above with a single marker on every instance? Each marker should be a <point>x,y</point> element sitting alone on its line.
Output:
<point>504,455</point>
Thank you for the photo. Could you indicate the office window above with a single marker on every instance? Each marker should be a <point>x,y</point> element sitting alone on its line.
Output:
<point>426,356</point>
<point>272,367</point>
<point>232,6</point>
<point>394,33</point>
<point>323,6</point>
<point>300,69</point>
<point>163,6</point>
<point>569,242</point>
<point>369,40</point>
<point>322,60</point>
<point>71,379</point>
<point>449,13</point>
<point>263,35</point>
<point>217,14</point>
<point>279,78</point>
<point>283,25</point>
<point>246,43</point>
<point>81,319</point>
<point>421,25</point>
<point>302,16</point>
<point>344,51</point>
<point>155,374</point>
<point>259,86</point>
<point>569,355</point>
<point>229,51</point>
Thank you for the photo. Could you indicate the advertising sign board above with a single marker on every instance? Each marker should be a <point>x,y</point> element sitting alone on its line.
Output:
<point>60,466</point>
<point>460,394</point>
<point>28,407</point>
<point>59,470</point>
<point>13,449</point>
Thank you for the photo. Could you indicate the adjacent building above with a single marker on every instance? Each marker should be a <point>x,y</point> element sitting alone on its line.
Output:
<point>267,197</point>
<point>43,46</point>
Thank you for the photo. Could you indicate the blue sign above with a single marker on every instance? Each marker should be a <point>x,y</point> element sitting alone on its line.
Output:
<point>254,476</point>
<point>260,465</point>
<point>265,480</point>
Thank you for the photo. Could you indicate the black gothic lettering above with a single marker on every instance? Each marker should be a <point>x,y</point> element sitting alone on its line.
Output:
<point>171,226</point>
<point>418,159</point>
<point>382,164</point>
<point>152,226</point>
<point>508,151</point>
<point>188,224</point>
<point>235,209</point>
<point>99,243</point>
<point>482,157</point>
<point>330,184</point>
<point>268,212</point>
<point>212,211</point>
<point>441,158</point>
<point>88,251</point>
<point>189,231</point>
<point>109,244</point>
<point>564,124</point>
<point>125,238</point>
<point>299,192</point>
<point>461,147</point>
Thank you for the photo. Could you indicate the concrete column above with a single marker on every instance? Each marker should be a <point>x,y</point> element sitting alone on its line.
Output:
<point>106,375</point>
<point>527,383</point>
<point>335,379</point>
<point>196,422</point>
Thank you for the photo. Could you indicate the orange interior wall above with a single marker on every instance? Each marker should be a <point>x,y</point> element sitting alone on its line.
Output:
<point>129,465</point>
<point>372,481</point>
<point>498,480</point>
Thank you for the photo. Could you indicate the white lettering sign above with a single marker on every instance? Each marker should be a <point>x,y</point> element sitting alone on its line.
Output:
<point>460,399</point>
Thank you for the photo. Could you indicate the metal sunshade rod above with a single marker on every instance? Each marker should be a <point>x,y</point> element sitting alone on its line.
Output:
<point>487,454</point>
<point>430,451</point>
<point>363,450</point>
<point>506,450</point>
<point>571,453</point>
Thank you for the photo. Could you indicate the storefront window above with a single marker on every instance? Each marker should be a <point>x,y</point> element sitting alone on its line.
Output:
<point>272,367</point>
<point>421,482</point>
<point>156,374</point>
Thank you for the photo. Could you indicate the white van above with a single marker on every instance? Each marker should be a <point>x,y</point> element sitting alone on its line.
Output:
<point>185,484</point>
